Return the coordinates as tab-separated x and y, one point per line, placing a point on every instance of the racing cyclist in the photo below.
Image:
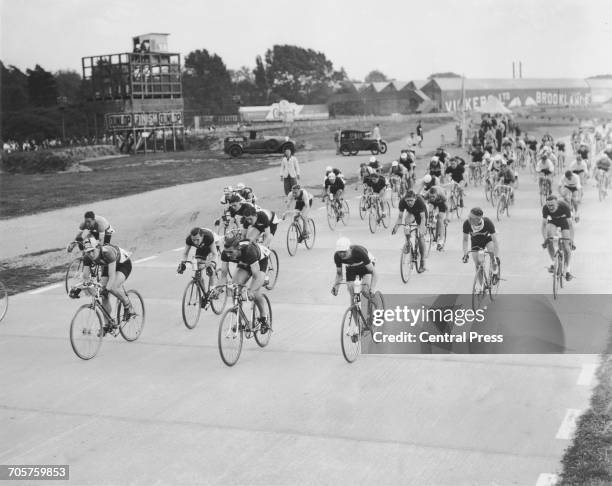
334	189
205	243
435	196
571	191
378	184
415	208
303	202
557	214
545	170
96	226
481	233
456	171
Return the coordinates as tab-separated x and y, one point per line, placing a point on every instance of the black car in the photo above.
352	141
256	143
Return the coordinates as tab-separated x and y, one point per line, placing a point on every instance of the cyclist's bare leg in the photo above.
491	247
440	226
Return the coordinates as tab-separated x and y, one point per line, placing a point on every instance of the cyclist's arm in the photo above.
465	243
495	245
112	275
213	255
544	225
186	252
423	225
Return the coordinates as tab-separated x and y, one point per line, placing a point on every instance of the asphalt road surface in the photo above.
166	410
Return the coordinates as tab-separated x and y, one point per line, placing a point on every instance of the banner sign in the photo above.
126	121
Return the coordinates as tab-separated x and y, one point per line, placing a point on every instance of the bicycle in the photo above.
197	297
410	254
87	327
485	281
235	326
395	183
545	189
377	216
295	235
504	201
74	272
475	173
354	324
488	189
3	300
226	223
558	263
602	185
432	231
336	212
365	202
454	200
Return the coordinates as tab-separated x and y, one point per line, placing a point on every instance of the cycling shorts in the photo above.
357	270
299	205
125	268
263	266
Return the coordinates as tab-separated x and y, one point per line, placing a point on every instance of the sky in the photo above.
405	39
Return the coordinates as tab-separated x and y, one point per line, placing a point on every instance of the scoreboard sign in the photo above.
127	121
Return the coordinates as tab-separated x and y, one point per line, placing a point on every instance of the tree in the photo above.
207	84
444	75
297	74
42	88
262	87
69	86
14	89
375	77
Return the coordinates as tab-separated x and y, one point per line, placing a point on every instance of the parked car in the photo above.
256	143
352	141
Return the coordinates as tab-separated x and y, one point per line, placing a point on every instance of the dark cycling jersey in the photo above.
110	254
202	251
338	185
456	173
355	261
558	217
481	237
251	253
377	186
417	208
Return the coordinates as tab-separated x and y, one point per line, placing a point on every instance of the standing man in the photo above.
419	132
376	134
337	140
289	171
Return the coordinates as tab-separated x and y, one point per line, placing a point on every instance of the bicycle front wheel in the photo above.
74	274
86	332
373	220
332	218
478	289
230	337
312	234
272	270
192	297
3	301
500	207
132	328
555	275
350	334
387	217
363	208
292	238
346	212
406	262
263	338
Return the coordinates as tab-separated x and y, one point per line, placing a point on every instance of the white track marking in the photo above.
44	289
587	375
547	479
178	249
568	426
145	259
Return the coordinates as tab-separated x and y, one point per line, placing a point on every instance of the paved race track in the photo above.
166	410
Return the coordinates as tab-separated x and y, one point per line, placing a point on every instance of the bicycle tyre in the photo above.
74	274
310	241
487	190
272	270
90	330
350	341
190	307
231	336
373	220
387	217
332	219
4	299
132	329
430	237
478	289
500	207
405	262
262	340
218	303
458	208
363	209
555	276
292	238
346	213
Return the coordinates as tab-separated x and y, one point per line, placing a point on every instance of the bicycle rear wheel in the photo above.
74	274
191	307
500	207
332	219
350	334
132	329
263	338
292	238
312	234
3	301
230	337
86	332
272	270
478	289
363	207
555	276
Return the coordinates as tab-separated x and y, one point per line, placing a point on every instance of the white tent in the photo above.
492	105
516	102
529	101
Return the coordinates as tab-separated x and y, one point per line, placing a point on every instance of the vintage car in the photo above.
256	143
352	141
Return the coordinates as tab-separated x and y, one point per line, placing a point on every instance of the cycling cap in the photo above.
296	187
240	186
404	156
435	159
328	168
395	163
427	178
343	244
568	174
235	199
498	158
476	212
331	176
372	159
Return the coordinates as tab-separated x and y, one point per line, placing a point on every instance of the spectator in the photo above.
337	140
419	132
376	134
289	171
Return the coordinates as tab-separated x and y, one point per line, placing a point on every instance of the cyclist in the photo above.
426	183
116	268
359	263
397	174
303	203
506	180
545	168
414	206
560	153
580	168
442	155
570	190
246	193
481	233
96	226
456	171
547	140
260	224
252	260
602	166
378	184
364	172
435	196
337	172
477	154
435	167
334	189
374	164
205	243
557	214
583	153
407	159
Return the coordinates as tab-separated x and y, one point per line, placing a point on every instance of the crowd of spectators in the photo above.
492	131
32	145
